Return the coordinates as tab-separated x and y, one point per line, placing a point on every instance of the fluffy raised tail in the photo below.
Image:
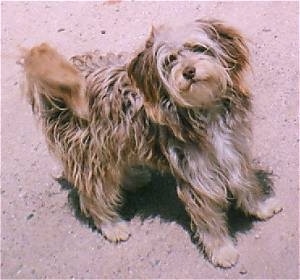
51	75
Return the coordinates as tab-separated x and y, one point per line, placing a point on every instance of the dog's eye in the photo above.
200	49
172	58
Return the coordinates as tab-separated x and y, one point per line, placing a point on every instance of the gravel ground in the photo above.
40	236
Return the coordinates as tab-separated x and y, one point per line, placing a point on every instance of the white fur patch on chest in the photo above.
229	158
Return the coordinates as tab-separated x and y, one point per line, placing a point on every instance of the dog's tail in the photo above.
51	75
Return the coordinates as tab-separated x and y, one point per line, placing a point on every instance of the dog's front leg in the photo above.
208	216
204	195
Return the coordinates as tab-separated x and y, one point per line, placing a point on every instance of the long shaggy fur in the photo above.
180	105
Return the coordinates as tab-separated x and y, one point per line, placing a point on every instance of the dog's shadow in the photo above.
157	199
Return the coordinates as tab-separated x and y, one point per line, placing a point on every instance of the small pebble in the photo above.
61	29
257	236
243	270
30	216
129	270
266	30
103	31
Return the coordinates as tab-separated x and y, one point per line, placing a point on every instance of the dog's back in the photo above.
89	99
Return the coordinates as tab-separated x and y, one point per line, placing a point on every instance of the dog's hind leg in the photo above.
101	206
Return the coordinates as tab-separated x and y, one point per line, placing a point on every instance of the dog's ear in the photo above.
142	71
232	43
150	40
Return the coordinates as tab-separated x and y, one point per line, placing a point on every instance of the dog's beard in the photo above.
208	83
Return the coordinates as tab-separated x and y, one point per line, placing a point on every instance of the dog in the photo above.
179	105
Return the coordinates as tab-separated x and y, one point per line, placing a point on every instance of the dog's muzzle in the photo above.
189	73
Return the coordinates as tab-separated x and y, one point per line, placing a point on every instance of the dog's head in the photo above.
50	75
193	64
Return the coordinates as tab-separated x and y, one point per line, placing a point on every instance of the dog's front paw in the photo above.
225	255
116	231
268	208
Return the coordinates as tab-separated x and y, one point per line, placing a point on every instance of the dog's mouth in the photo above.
190	78
199	91
188	85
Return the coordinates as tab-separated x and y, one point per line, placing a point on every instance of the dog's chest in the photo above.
223	143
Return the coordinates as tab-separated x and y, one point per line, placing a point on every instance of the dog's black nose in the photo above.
189	72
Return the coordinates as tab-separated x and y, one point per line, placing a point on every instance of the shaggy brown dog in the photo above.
181	105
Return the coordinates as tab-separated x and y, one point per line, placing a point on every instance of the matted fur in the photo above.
180	105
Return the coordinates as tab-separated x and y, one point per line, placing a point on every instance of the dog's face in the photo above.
189	65
194	63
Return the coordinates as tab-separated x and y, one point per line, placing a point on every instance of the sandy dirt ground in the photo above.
40	235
